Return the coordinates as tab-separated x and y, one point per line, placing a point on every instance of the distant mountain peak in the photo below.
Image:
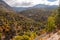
39	6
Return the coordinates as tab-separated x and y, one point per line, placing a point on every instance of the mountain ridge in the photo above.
4	5
39	6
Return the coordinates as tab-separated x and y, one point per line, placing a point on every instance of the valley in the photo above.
29	24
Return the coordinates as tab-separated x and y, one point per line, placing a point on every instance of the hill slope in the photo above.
13	24
39	15
5	6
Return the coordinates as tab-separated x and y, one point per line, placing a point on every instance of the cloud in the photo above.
29	3
22	4
52	3
10	2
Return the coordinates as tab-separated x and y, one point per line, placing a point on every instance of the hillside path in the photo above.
51	36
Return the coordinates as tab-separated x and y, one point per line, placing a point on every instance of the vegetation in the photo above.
39	15
51	23
58	18
28	27
26	36
13	24
18	27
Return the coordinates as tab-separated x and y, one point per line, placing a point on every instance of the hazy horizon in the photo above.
30	3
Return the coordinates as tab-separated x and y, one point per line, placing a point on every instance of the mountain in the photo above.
13	24
45	6
39	6
39	15
23	26
5	6
20	8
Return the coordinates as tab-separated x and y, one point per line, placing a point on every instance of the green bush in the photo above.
24	37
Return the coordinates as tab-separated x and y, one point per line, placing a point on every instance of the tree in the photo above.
51	25
58	18
24	37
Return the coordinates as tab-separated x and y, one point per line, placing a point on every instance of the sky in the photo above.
30	3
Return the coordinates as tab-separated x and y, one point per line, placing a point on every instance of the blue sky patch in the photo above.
51	0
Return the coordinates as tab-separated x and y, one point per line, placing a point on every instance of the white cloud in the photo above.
29	3
52	3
